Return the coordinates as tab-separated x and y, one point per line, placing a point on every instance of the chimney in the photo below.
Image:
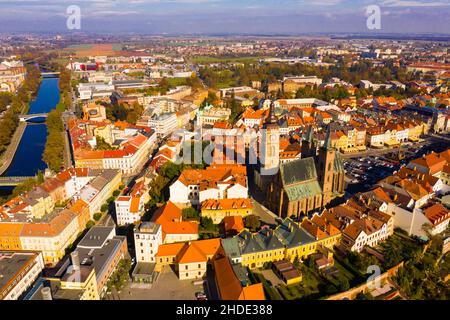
75	260
46	293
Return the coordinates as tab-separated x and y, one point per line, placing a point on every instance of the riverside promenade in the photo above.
8	155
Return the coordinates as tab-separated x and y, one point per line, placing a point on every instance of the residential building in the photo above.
130	208
210	115
148	236
218	181
102	249
18	270
230	284
190	258
131	149
174	229
219	209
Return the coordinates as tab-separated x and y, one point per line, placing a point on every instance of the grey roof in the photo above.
96	237
11	263
231	247
147	227
100	258
287	235
262	241
291	235
35	194
104	178
55	287
298	171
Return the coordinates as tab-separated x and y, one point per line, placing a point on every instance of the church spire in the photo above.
327	145
310	135
271	119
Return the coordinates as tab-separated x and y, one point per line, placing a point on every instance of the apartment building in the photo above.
219	181
19	270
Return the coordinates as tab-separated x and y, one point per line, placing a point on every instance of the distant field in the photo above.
208	59
61	61
85	50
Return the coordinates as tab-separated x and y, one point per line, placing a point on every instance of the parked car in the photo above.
201	296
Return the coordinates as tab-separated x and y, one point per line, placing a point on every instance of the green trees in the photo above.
420	277
328	94
64	88
53	154
252	223
190	214
134	113
90	224
124	112
158	190
102	144
19	104
97	216
194	82
8	125
208	229
119	276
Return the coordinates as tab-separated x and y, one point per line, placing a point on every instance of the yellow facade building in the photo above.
288	241
218	209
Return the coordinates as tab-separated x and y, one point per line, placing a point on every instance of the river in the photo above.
28	158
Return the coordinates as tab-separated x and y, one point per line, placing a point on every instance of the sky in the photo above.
226	16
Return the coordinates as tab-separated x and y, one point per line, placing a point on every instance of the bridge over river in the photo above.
27	117
12	181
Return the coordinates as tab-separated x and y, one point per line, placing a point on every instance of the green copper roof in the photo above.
298	171
231	247
303	190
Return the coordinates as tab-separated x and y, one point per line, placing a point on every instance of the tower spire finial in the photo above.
271	119
327	145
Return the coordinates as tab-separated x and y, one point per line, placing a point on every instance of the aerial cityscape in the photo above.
208	161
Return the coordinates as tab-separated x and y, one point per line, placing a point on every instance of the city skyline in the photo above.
186	17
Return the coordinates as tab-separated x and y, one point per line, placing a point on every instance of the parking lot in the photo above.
166	287
363	172
368	170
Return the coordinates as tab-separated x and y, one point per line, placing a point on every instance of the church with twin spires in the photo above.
302	186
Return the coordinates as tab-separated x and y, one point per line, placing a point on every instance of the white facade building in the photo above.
147	239
19	270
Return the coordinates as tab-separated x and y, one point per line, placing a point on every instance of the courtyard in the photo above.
166	287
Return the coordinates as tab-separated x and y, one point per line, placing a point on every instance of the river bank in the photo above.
9	154
25	156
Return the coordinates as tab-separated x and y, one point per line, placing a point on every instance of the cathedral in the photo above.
302	186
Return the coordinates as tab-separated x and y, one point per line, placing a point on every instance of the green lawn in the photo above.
177	81
344	272
307	289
